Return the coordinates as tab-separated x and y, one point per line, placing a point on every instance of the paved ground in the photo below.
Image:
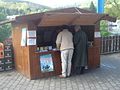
105	78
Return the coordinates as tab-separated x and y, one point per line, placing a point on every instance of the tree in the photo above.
113	8
5	30
104	28
92	7
2	17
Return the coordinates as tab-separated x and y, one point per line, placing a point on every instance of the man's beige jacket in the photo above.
65	40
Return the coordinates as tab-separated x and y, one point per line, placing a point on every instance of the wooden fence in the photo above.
110	44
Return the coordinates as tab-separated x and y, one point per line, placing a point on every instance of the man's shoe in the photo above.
68	76
82	70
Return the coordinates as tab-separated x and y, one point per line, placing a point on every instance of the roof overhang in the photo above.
6	21
69	16
56	19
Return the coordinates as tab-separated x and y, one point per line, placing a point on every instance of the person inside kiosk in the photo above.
64	42
80	57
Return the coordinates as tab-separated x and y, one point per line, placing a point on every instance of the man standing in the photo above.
80	58
64	42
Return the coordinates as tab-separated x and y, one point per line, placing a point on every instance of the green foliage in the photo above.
104	28
16	7
2	17
92	7
5	30
112	7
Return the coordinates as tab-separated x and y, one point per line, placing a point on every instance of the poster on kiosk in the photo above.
46	63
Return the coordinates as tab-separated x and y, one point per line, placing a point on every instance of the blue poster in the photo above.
46	63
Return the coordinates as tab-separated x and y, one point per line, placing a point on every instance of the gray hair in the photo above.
77	27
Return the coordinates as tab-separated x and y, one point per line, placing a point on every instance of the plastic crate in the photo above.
7	47
2	68
8	67
7	50
2	61
8	54
8	61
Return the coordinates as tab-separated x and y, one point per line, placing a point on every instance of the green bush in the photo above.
5	30
104	28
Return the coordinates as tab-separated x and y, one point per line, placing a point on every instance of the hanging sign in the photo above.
97	35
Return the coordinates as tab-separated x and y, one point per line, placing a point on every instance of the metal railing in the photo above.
110	44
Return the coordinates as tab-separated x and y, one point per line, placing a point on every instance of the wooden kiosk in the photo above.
35	32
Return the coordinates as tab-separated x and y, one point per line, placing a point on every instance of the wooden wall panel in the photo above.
97	43
90	57
96	57
93	57
32	56
21	54
34	64
36	68
97	40
94	52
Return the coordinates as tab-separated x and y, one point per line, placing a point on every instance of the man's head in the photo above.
77	28
65	27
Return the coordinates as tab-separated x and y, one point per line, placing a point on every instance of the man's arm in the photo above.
58	40
76	39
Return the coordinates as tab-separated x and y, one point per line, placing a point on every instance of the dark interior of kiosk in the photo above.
46	36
